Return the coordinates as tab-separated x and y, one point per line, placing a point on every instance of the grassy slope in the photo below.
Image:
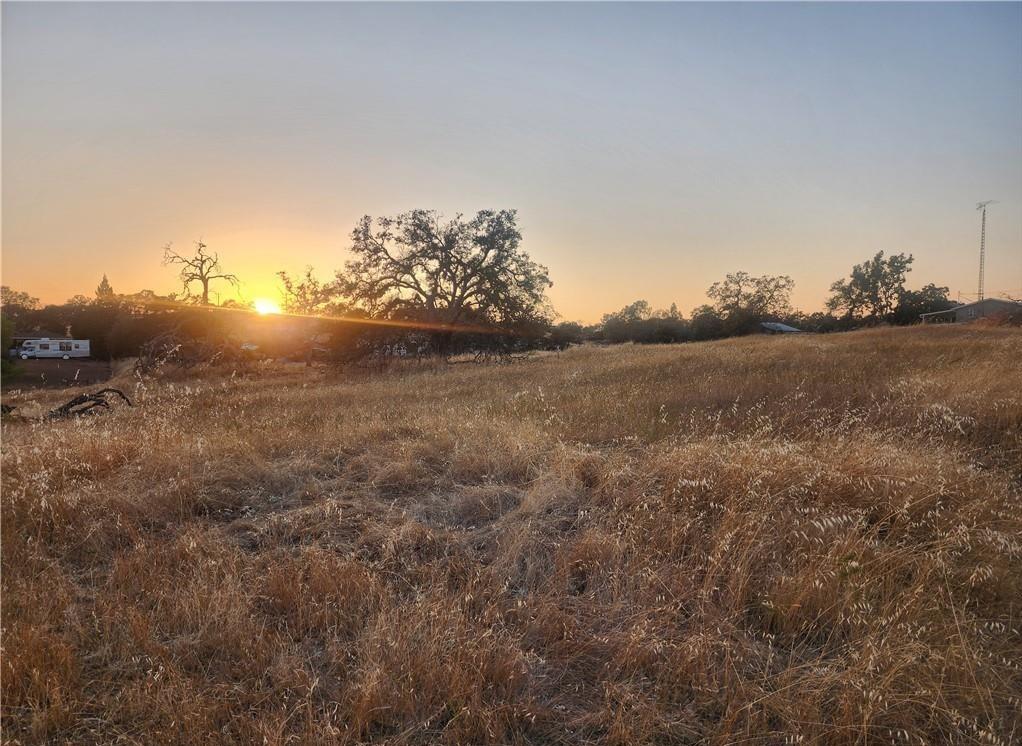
747	541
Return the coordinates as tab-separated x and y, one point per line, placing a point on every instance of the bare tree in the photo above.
307	295
203	268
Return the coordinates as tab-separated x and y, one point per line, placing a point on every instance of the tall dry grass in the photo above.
760	540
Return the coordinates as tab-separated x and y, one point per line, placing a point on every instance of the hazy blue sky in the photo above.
649	148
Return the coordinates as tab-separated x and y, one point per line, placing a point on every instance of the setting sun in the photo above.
264	306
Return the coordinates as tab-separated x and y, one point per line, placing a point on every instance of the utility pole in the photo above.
982	206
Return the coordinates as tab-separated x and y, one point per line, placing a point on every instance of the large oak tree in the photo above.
756	297
420	266
873	289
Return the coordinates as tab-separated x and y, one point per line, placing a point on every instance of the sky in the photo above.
649	149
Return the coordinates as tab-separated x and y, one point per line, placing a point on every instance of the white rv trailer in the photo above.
46	347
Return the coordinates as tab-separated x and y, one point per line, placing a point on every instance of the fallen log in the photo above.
86	404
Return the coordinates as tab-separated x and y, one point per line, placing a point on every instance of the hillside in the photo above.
761	540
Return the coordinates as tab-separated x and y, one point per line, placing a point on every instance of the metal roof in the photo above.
775	326
1004	301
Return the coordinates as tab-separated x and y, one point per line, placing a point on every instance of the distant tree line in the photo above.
118	325
874	293
420	282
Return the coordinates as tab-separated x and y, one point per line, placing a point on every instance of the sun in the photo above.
264	306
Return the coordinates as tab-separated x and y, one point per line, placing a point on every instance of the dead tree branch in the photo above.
86	404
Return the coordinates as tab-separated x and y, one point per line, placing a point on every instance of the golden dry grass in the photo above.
755	541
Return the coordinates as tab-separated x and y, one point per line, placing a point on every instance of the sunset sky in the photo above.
649	149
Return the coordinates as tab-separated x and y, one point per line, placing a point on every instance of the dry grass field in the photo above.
754	541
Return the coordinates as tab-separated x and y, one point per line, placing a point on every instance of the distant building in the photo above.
774	327
972	311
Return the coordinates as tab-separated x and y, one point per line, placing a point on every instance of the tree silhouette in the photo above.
742	301
104	291
9	297
307	295
742	294
203	267
927	299
416	265
873	288
640	310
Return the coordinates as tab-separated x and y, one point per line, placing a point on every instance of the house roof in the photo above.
775	326
1003	301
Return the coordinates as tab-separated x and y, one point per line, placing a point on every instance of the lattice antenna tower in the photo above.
982	207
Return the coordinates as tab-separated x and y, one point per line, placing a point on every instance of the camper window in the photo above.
65	346
44	346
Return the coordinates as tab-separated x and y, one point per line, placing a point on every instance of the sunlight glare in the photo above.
264	306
